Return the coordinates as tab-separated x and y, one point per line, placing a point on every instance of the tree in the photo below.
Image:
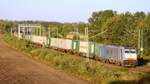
98	19
145	26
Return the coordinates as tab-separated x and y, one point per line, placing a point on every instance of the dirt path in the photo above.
15	68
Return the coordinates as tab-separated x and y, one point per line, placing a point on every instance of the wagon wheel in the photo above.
106	61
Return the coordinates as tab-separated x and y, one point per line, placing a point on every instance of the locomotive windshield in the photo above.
132	51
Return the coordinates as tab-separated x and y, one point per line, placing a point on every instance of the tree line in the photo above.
107	27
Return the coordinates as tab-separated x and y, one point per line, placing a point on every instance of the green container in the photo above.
48	41
97	48
92	49
75	45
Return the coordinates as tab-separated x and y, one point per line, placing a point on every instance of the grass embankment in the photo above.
95	72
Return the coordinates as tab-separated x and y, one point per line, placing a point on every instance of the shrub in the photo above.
35	52
49	57
43	53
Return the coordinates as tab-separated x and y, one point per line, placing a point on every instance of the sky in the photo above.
65	10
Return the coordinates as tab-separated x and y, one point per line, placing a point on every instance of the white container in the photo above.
38	39
61	43
53	42
83	46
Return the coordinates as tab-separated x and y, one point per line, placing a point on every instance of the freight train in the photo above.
108	53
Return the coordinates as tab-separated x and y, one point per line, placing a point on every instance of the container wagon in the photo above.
108	53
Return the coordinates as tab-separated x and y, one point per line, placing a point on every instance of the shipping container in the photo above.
83	47
75	45
54	42
68	44
47	42
92	49
38	39
64	44
61	43
97	50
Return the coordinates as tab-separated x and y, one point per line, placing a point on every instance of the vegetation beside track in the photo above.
95	72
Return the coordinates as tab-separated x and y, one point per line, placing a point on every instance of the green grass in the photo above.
96	72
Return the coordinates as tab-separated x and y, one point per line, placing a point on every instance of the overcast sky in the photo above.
65	10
